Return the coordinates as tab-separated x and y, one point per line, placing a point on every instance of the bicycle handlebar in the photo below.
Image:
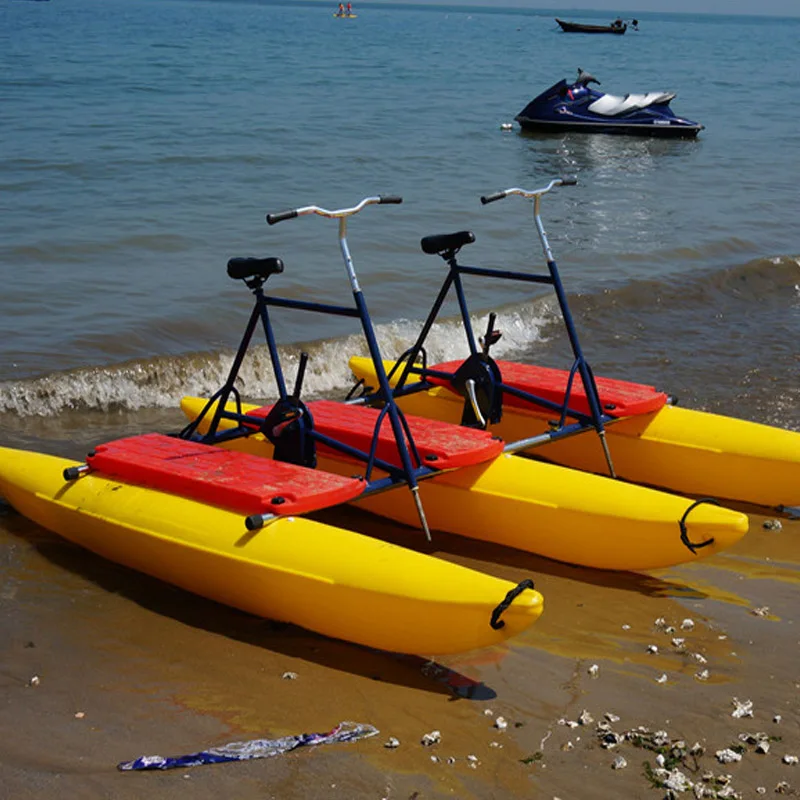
341	212
280	216
566	181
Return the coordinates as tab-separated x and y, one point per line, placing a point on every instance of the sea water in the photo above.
144	141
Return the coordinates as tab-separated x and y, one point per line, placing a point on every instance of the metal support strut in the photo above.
410	472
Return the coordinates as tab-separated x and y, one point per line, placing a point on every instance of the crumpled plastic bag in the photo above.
255	748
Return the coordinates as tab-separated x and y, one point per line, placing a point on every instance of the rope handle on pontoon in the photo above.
495	621
341	212
694	547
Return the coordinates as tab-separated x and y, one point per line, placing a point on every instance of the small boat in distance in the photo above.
617	26
345	13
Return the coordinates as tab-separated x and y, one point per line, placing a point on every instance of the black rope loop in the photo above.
684	533
359	384
495	621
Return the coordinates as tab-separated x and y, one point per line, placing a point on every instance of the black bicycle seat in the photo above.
243	268
445	242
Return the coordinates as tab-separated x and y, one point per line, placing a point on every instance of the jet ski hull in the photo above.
661	130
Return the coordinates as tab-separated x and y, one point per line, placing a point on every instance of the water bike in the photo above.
642	436
494	496
232	526
578	107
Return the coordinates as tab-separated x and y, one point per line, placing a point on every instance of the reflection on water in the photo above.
610	155
616	219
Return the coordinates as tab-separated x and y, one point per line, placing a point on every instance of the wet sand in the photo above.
129	666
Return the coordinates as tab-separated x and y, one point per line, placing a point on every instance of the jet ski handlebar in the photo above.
535	194
341	212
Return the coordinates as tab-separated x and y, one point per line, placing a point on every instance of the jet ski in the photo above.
578	107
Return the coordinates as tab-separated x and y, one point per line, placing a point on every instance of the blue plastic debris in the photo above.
256	748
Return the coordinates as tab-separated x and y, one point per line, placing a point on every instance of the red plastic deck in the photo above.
617	398
441	445
225	478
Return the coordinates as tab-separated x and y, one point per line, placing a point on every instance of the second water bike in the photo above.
644	437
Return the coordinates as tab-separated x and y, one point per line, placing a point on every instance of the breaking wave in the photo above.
162	381
768	286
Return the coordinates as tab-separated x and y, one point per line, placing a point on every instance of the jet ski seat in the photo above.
611	105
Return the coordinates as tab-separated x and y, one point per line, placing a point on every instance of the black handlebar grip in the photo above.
254	522
389	198
569	180
490	198
281	216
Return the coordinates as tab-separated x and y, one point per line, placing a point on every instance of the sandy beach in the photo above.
101	665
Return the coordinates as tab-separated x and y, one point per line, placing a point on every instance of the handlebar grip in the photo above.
490	198
254	522
281	216
390	198
569	180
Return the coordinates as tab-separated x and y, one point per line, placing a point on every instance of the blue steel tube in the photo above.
383	381
586	375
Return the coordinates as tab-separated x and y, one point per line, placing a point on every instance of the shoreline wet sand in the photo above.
102	664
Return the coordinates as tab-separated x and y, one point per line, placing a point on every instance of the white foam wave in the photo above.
161	382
